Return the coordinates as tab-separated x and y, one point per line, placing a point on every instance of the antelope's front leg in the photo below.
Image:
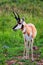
24	53
27	49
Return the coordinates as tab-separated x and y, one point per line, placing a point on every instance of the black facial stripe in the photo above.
15	26
22	27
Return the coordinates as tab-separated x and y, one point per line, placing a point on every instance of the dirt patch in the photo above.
17	61
20	63
40	62
10	62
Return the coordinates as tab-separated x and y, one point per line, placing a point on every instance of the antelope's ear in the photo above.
23	19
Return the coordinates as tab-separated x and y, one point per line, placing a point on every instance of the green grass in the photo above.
14	40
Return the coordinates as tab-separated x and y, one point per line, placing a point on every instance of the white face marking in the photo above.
18	26
24	23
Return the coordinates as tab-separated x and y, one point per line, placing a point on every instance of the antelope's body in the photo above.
29	30
29	33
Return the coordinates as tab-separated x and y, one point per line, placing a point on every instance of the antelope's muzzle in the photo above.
14	27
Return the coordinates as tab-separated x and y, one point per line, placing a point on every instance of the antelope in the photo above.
29	33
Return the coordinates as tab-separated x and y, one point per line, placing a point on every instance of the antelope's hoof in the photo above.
32	59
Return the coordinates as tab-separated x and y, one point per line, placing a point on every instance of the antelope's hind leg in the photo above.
24	53
32	49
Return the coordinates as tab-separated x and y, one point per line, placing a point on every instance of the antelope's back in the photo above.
34	30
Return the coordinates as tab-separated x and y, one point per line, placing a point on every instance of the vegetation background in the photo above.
11	42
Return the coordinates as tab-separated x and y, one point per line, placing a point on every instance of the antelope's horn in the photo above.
16	16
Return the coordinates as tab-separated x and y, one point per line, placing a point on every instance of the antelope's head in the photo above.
20	22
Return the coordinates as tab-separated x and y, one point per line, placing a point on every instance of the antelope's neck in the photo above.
27	30
24	30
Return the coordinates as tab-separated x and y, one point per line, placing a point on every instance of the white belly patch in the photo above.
28	38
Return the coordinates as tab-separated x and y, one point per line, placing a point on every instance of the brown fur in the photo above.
30	29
